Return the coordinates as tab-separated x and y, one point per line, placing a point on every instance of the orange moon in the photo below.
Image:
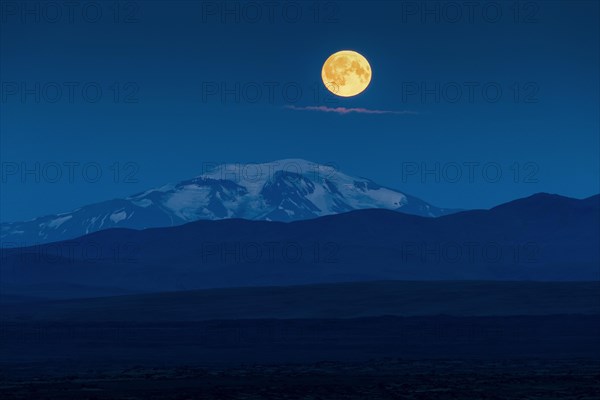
346	73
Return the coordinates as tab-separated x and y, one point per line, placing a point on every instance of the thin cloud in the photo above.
345	110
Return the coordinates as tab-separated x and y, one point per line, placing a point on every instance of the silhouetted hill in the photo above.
542	237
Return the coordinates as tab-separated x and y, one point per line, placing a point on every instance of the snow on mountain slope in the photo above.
284	190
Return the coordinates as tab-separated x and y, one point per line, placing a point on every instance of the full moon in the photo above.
346	73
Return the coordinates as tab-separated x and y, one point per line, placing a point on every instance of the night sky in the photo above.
532	114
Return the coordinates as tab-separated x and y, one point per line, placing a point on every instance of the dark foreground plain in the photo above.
303	340
322	301
375	379
373	340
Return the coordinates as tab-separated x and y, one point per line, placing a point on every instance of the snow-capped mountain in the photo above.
284	190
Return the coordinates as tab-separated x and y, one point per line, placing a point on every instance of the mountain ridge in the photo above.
284	190
506	243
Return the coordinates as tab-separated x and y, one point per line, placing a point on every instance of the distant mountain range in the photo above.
284	190
542	237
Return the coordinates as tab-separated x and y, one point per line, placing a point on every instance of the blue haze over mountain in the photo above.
171	48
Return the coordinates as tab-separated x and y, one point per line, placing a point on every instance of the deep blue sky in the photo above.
172	50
